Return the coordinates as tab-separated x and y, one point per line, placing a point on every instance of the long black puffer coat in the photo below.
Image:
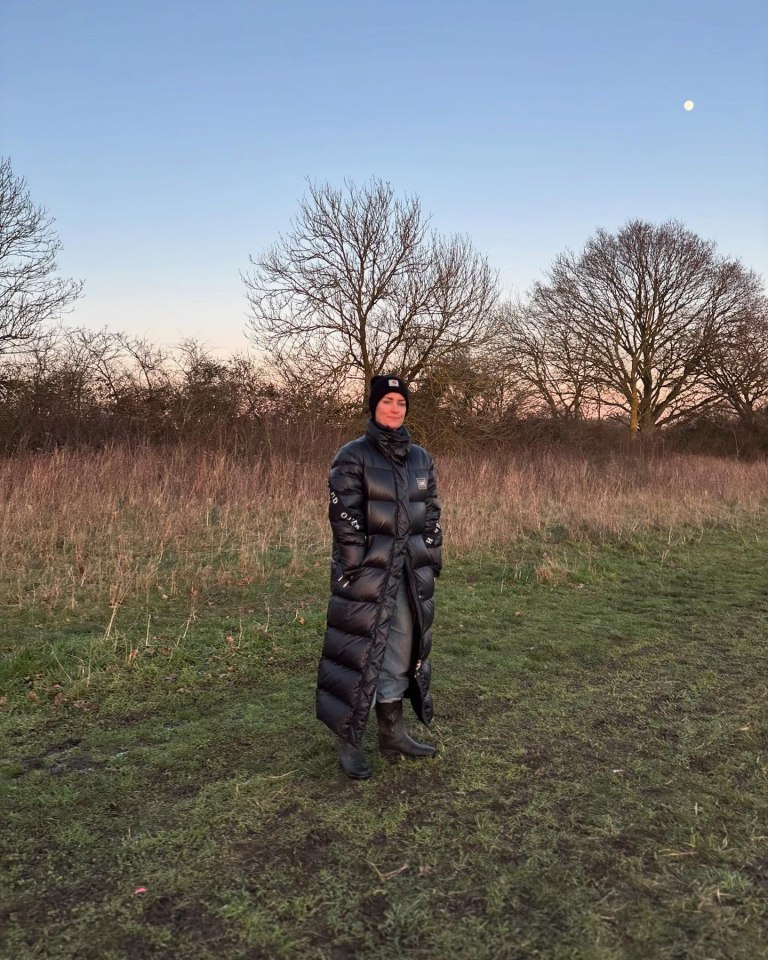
385	518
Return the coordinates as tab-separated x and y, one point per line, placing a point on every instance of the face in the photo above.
390	411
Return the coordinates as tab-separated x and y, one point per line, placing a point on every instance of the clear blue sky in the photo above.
172	139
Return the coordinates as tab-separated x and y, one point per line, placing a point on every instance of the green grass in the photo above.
600	790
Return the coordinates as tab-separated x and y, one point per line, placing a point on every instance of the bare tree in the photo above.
468	397
647	303
736	365
54	395
100	353
30	292
551	358
148	366
359	286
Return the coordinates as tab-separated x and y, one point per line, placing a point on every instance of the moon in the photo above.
688	105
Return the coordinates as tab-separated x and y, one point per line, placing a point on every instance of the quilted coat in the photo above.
385	518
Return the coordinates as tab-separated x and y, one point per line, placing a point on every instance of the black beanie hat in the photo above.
381	386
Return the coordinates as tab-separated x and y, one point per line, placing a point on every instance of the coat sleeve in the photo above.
433	532
346	508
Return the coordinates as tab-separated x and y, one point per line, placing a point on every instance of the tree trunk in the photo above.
633	409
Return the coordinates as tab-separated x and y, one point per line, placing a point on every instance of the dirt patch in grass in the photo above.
282	841
185	917
59	759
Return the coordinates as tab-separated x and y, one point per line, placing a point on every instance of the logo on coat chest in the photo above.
421	483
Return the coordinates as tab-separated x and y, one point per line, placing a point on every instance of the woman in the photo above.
385	518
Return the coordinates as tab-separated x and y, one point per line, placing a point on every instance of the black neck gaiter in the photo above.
394	444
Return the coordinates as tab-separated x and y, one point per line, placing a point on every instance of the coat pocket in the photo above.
342	577
346	577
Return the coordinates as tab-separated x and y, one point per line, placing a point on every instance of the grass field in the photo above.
600	690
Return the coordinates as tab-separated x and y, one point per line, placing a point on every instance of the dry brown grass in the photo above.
496	501
130	522
106	525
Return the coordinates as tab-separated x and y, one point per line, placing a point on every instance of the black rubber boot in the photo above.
393	739
353	762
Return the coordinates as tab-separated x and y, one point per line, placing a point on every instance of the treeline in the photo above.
81	388
649	326
76	387
645	333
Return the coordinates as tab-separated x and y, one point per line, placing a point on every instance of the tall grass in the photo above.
111	524
494	501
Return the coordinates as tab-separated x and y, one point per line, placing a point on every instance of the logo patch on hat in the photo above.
394	383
